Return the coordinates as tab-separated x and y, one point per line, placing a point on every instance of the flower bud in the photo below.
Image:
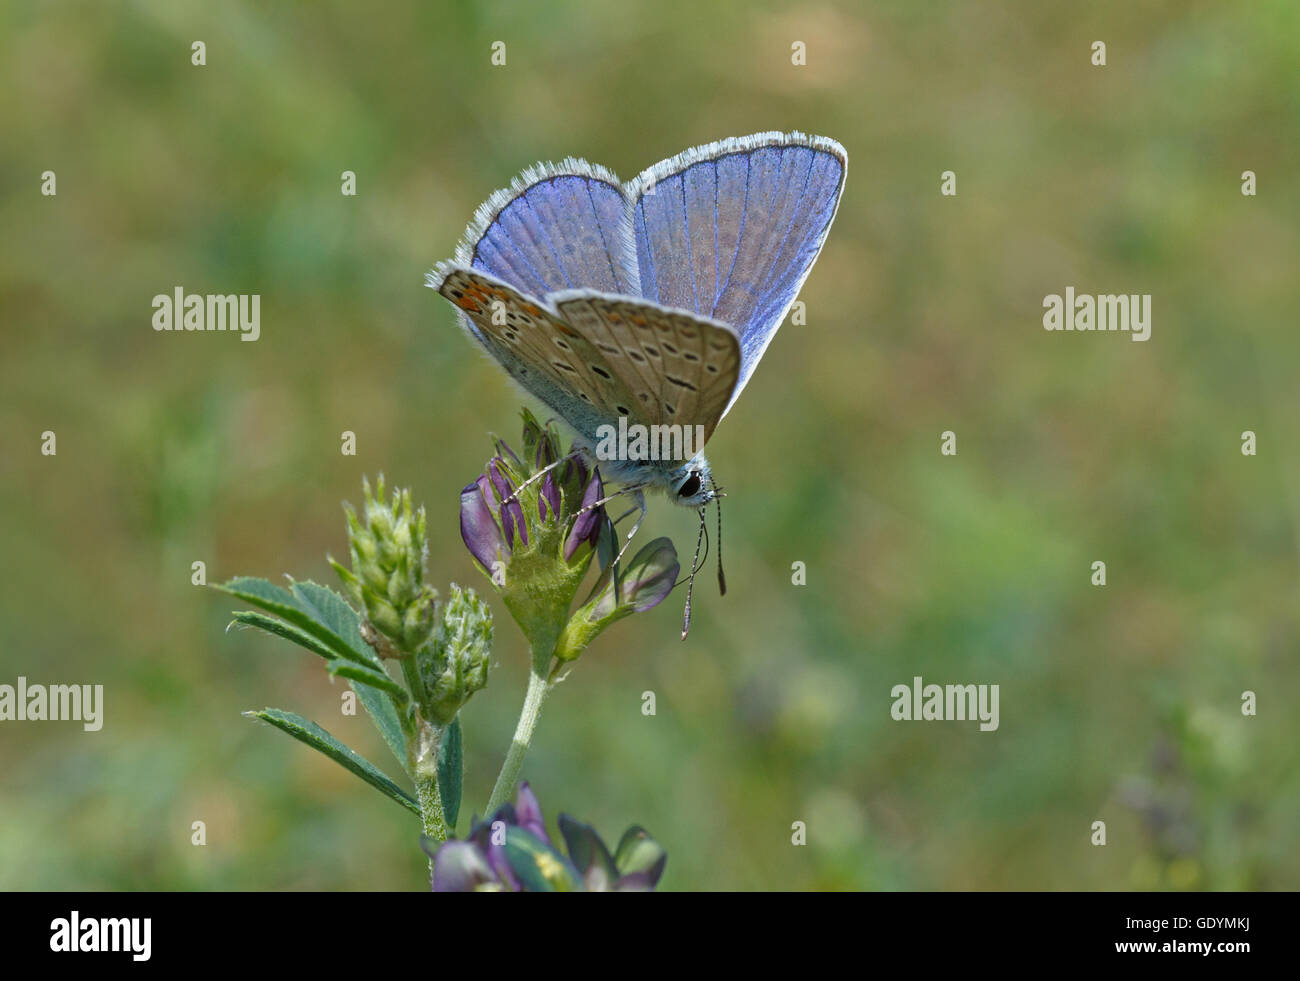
649	578
454	665
387	543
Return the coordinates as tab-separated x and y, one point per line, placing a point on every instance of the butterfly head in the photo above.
691	485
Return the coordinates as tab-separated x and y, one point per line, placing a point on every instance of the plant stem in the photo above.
415	685
538	688
423	750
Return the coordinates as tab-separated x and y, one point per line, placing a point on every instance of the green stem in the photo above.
423	751
538	688
415	685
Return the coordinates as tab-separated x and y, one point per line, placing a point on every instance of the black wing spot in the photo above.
609	349
711	369
669	348
585	397
623	410
561	344
690	356
636	356
651	350
681	383
670	409
564	366
601	371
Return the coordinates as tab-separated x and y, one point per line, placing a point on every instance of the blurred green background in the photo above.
1119	704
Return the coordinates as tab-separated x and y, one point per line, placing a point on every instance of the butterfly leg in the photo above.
636	489
636	526
639	506
542	473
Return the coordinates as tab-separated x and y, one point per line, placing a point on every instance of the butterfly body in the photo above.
646	305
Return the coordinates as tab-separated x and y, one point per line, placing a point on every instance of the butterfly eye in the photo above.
690	487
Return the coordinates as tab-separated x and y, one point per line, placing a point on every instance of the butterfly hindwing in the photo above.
680	368
731	230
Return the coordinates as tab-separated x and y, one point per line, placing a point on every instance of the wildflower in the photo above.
511	852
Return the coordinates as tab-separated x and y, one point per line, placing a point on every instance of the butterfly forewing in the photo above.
543	353
557	227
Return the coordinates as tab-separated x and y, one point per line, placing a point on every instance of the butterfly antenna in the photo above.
690	583
717	499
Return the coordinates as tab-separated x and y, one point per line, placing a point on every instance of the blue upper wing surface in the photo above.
732	229
557	227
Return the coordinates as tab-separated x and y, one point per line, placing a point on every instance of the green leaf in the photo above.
538	867
336	613
314	736
369	676
327	618
288	606
451	771
288	631
382	713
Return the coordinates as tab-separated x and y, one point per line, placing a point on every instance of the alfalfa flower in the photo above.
511	852
533	523
646	582
453	665
533	530
388	544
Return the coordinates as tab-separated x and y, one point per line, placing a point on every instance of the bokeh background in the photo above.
1119	704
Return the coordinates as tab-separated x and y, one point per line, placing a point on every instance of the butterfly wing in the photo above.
680	369
538	349
731	230
556	227
593	357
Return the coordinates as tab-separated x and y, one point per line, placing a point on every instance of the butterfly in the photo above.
645	306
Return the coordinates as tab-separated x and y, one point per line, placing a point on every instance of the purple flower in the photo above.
478	524
535	531
497	510
512	513
586	527
511	852
649	578
549	498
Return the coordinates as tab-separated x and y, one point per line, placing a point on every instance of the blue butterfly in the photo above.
645	306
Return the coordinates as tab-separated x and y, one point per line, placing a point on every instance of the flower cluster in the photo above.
447	644
511	852
533	522
454	664
386	581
